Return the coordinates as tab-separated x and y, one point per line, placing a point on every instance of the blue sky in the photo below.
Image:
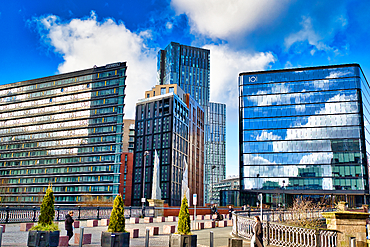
53	37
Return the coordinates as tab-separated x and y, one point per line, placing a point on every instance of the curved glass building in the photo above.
304	132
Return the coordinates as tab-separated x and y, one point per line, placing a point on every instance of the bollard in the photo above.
98	212
352	242
79	212
1	235
147	238
211	239
81	236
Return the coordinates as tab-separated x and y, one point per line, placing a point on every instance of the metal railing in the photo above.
16	215
279	234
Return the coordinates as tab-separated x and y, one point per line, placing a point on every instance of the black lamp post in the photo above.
146	153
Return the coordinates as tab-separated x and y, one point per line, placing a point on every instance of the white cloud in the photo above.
226	65
264	136
227	19
84	43
308	33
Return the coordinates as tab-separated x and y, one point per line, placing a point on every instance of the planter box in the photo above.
209	224
134	233
85	240
171	218
121	239
222	223
43	238
76	224
3	227
63	241
26	226
230	222
134	220
199	226
148	220
104	222
179	240
161	219
92	223
200	217
168	229
153	230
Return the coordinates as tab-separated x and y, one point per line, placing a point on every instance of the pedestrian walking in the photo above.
258	233
68	225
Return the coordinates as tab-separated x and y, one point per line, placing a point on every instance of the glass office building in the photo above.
64	130
215	164
304	132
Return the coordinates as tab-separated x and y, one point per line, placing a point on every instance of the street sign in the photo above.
194	199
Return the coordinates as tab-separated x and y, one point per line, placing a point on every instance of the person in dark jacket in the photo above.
230	212
68	224
258	232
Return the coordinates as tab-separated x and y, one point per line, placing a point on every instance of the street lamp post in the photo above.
146	153
213	167
260	198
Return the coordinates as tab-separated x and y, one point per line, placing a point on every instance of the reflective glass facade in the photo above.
187	67
215	164
304	131
64	130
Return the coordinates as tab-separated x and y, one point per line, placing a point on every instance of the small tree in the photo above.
117	217
183	226
47	213
302	213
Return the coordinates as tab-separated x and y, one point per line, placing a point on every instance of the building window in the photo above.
147	95
163	90
171	90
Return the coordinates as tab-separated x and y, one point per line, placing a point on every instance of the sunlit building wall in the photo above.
64	131
304	132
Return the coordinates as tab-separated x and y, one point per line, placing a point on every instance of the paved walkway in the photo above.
14	237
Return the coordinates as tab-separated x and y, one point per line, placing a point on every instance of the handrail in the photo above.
279	234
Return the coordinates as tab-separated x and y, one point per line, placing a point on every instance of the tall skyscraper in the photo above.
170	126
189	67
304	132
64	130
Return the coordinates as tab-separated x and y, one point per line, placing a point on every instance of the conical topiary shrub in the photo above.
47	213
183	226
117	217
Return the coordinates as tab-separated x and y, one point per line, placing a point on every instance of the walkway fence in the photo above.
24	214
279	234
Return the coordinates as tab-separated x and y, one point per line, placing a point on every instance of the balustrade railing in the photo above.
278	234
15	215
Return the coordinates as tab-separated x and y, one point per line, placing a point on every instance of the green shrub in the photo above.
49	228
183	226
117	217
47	213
